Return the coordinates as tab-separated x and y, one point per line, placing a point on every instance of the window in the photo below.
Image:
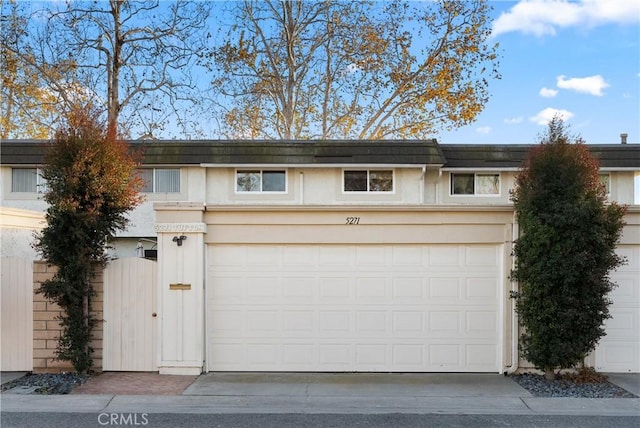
261	181
475	184
368	181
160	180
605	180
27	180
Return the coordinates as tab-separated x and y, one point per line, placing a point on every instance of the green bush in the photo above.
565	251
90	188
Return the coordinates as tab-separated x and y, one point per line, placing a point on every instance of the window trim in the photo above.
41	183
608	183
475	176
261	191
154	180
369	191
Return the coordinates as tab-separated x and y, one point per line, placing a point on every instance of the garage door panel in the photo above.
336	323
228	289
623	322
334	256
444	256
445	289
228	256
226	322
301	257
408	356
480	355
481	256
264	255
355	308
368	256
334	289
299	289
480	289
263	287
619	350
409	255
408	323
372	289
299	323
372	323
371	355
619	356
481	324
408	289
627	292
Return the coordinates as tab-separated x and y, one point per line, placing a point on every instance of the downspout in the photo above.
301	188
438	185
514	315
424	172
206	313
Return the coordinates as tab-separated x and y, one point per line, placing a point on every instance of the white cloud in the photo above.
548	93
545	17
483	130
590	85
513	120
543	117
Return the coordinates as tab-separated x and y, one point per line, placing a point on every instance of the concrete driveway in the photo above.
356	385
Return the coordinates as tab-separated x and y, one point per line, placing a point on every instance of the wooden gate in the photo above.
16	318
130	327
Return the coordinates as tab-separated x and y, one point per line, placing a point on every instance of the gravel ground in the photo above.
49	383
599	387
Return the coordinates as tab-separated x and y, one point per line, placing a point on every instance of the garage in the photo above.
619	350
354	307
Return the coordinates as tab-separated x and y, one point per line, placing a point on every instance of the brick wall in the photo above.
46	327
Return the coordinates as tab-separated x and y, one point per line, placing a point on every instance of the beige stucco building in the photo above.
383	256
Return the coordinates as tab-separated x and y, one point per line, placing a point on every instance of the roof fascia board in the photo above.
481	168
316	165
615	168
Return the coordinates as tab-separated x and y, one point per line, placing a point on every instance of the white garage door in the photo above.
401	308
619	350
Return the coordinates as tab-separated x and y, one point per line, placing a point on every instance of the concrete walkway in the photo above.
218	393
6	377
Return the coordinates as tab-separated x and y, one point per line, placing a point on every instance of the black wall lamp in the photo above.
179	239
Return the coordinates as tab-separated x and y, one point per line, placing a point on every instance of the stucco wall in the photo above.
17	228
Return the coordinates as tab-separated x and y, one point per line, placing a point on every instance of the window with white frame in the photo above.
475	184
249	181
368	180
27	180
160	180
605	180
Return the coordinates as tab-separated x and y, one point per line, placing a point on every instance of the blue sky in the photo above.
578	58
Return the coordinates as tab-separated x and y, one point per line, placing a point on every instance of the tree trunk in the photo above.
550	374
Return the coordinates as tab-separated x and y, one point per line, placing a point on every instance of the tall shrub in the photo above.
90	188
565	251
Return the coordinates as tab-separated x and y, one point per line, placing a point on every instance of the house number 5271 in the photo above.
353	220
